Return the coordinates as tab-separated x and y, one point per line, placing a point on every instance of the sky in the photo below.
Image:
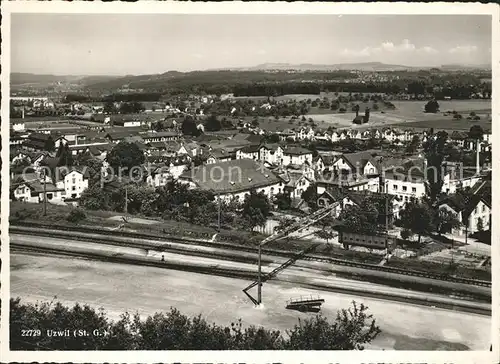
120	44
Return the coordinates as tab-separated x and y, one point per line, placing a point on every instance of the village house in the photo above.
248	152
73	180
158	176
163	136
297	155
474	212
271	153
361	163
234	179
217	156
17	139
17	126
22	155
34	191
37	142
324	162
305	133
287	134
296	183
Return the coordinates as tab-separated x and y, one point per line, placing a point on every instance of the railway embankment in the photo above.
229	258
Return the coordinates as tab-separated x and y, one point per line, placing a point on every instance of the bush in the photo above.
349	329
20	215
76	215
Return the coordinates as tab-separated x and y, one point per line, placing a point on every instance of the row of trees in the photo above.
175	201
351	329
115	97
276	89
132	107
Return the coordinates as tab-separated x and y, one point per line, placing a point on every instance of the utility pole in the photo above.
44	193
126	200
386	222
218	212
259	285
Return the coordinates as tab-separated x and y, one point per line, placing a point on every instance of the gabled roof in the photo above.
37	187
233	176
296	151
160	134
61	172
359	159
219	153
250	149
39	137
461	203
118	135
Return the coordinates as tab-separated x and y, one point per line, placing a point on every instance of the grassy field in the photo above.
446	123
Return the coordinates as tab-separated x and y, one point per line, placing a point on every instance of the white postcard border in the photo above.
457	357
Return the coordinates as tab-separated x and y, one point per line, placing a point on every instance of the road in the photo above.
125	287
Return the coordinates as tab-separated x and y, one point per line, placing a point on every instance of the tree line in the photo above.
350	329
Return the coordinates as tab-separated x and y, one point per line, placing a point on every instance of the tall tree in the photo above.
476	132
125	155
213	124
432	107
413	145
445	221
417	217
434	150
366	117
255	209
189	127
362	219
109	107
64	155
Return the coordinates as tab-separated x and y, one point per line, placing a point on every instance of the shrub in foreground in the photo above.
90	329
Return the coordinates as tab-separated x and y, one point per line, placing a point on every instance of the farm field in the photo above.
410	114
415	108
446	123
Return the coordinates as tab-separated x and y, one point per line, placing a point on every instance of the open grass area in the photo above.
446	123
433	267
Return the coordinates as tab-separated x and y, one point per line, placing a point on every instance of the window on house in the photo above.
404	188
73	188
395	187
484	208
414	189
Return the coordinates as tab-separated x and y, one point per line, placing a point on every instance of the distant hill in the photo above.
463	67
368	66
223	76
18	79
30	78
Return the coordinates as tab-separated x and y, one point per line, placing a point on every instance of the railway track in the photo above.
466	305
118	258
119	238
